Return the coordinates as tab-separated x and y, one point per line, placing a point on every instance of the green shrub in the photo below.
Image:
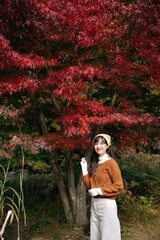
141	176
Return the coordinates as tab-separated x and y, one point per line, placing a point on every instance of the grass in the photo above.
138	223
142	224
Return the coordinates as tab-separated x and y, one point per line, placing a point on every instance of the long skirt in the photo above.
104	222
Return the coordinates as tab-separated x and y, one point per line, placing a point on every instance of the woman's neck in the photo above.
103	158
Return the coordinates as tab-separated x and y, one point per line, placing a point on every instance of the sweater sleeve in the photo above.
115	187
86	181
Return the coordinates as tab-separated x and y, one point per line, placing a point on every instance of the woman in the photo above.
104	183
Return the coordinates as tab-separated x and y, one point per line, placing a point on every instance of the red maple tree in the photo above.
74	68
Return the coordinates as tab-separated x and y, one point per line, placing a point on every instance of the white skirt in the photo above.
104	222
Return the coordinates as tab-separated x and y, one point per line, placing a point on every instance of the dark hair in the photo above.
94	156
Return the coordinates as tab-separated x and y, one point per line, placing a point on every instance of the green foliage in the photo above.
146	203
140	199
38	166
142	176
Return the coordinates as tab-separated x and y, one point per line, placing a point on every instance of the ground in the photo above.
39	227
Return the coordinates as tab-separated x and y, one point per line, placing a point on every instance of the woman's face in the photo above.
100	146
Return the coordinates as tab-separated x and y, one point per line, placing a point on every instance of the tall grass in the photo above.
11	200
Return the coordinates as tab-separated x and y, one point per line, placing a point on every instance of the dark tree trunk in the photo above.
71	181
81	211
63	193
73	198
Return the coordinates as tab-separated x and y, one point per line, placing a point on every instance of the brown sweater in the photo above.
108	178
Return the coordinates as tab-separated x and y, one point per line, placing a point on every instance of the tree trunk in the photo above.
77	194
81	210
58	176
71	181
81	207
62	192
73	199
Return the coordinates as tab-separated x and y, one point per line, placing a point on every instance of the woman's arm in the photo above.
116	186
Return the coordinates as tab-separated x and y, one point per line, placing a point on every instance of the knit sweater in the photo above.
107	177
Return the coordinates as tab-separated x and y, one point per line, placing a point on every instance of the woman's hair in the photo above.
94	157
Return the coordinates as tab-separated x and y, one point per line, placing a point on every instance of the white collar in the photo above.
103	158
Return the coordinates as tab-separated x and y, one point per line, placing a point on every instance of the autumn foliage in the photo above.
75	68
70	69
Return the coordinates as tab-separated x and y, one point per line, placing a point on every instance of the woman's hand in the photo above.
95	192
84	166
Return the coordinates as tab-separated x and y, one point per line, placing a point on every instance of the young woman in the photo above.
104	183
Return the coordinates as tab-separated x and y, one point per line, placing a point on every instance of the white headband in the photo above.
106	137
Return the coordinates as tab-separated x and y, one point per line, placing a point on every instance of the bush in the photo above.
141	174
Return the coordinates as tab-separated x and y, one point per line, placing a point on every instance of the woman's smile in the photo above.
100	147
